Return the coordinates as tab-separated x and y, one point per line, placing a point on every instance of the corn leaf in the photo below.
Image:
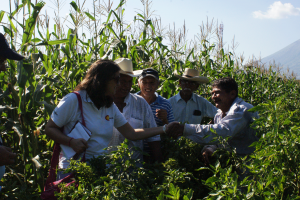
90	16
74	5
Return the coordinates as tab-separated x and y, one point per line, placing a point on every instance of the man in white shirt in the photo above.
232	120
189	107
135	109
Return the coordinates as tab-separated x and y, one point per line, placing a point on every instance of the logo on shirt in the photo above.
108	118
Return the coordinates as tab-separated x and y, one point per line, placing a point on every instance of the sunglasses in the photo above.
189	82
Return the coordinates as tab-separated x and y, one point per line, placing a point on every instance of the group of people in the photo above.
112	113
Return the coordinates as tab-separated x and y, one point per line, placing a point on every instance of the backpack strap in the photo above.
56	150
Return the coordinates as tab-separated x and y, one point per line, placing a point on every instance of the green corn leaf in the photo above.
73	18
118	18
1	15
74	5
30	25
36	40
53	42
18	8
90	16
9	32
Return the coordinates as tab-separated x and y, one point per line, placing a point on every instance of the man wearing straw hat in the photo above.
188	106
7	157
233	121
135	109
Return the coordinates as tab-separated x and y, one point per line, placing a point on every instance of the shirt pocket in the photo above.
135	123
196	119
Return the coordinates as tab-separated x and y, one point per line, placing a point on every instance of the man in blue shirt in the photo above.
6	155
161	108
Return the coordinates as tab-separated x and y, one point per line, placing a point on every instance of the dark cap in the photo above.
7	52
149	72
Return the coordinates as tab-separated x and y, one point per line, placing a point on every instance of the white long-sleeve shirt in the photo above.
236	125
138	113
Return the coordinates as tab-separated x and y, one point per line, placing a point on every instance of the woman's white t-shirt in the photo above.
99	122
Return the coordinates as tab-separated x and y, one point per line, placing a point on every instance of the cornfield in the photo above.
57	61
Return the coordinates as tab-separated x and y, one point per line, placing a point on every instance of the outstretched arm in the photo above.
139	134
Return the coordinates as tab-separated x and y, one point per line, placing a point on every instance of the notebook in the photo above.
79	131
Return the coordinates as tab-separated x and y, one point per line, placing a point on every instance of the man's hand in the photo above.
78	145
7	156
206	154
174	129
162	115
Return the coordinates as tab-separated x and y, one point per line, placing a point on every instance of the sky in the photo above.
260	28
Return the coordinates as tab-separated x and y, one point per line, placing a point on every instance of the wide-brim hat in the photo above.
126	67
6	52
192	75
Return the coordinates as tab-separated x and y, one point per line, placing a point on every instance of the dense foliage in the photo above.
57	62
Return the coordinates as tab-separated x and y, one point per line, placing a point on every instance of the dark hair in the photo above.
228	84
95	82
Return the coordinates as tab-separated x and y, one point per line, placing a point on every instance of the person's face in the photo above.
112	84
2	64
223	100
188	87
148	85
124	87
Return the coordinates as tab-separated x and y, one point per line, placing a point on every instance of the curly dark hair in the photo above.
228	84
95	82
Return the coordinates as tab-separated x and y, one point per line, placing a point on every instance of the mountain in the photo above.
287	57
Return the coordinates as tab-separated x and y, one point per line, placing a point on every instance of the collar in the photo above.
158	99
128	98
85	97
178	97
237	100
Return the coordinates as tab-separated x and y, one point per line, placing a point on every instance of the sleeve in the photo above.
149	122
170	113
119	119
230	125
210	109
65	111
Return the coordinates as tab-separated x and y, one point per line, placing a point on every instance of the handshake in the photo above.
174	129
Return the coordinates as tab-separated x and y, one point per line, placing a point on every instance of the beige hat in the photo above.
126	67
192	75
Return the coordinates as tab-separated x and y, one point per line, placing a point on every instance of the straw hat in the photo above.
126	67
192	75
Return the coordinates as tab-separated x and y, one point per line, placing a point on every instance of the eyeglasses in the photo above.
116	79
189	82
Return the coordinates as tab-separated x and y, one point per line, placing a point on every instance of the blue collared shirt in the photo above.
192	111
161	103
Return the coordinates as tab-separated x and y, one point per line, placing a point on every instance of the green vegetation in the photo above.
58	60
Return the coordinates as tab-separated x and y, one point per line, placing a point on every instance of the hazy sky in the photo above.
260	27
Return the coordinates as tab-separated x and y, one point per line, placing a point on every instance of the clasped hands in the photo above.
174	130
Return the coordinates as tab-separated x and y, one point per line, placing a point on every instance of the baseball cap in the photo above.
149	72
6	52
